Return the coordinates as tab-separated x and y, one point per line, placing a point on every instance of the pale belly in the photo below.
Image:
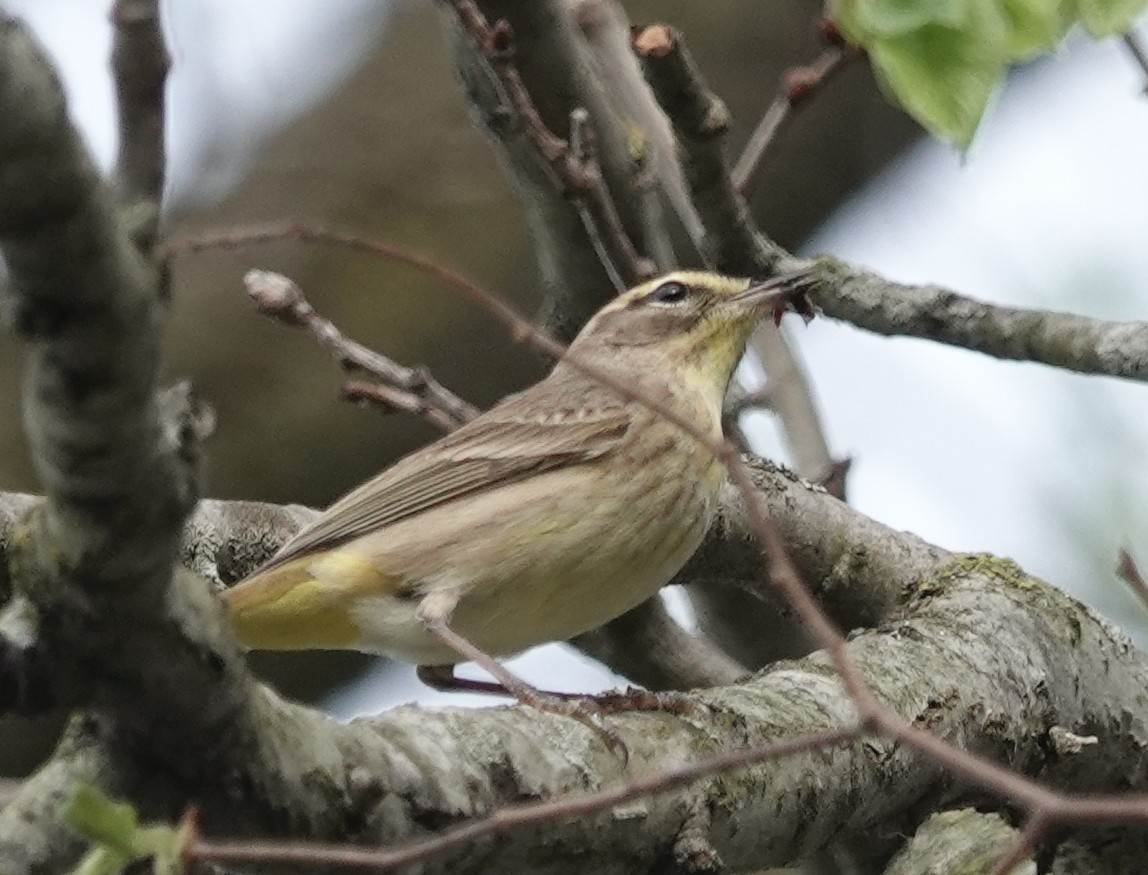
559	572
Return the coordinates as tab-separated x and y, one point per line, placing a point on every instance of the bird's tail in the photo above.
286	608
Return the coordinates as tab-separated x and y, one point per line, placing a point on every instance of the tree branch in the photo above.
86	301
1018	657
798	84
412	389
648	646
1074	343
140	64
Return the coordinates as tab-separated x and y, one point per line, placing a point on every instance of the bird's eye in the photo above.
670	293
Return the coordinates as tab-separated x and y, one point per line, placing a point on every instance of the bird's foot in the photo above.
637	699
584	709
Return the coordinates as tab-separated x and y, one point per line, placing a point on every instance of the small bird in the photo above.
557	510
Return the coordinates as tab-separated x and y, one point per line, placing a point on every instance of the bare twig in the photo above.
797	85
140	64
647	132
611	240
1129	572
388	399
1023	843
655	234
413	390
1135	46
581	143
701	121
739	401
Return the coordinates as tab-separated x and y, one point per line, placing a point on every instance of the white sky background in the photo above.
260	71
1048	210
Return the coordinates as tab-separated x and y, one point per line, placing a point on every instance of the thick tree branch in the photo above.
988	658
853	565
606	29
119	468
92	425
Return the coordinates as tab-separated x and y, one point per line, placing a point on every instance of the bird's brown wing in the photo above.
516	439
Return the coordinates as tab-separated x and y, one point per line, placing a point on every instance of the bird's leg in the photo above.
442	677
435	610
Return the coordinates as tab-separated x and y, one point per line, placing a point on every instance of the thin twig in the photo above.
740	401
797	85
389	399
737	402
646	644
1135	46
612	242
414	390
655	234
1129	572
581	143
1023	843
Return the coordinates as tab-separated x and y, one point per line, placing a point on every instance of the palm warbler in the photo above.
554	512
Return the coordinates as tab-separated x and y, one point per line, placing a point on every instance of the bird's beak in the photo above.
784	291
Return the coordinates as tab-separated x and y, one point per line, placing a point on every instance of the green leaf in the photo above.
101	861
118	837
941	76
1106	17
1036	26
869	20
112	824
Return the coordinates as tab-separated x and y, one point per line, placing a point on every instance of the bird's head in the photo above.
689	322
